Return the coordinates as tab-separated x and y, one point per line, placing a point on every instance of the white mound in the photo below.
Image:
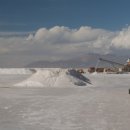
55	78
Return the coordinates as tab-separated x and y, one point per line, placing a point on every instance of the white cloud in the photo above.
82	40
122	40
63	42
66	35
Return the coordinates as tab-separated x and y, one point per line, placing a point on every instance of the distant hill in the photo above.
83	61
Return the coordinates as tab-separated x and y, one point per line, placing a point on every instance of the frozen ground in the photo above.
103	105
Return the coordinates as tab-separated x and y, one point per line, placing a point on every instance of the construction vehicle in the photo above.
113	66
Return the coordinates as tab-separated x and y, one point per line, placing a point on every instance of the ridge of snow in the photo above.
16	71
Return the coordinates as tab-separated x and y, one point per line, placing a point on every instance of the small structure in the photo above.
128	61
91	69
100	70
126	67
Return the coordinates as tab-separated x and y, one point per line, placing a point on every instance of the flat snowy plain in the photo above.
102	105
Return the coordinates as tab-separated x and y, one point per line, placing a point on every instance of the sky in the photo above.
29	15
32	30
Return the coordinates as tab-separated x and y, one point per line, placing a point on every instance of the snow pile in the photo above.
55	78
15	71
94	73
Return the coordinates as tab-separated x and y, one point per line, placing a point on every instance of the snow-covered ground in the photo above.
102	104
17	71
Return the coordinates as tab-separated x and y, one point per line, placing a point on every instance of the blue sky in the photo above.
51	30
29	15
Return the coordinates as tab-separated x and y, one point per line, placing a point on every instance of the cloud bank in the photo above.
61	42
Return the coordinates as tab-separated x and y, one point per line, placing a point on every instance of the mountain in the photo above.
88	60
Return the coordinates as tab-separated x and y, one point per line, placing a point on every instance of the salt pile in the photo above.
55	78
